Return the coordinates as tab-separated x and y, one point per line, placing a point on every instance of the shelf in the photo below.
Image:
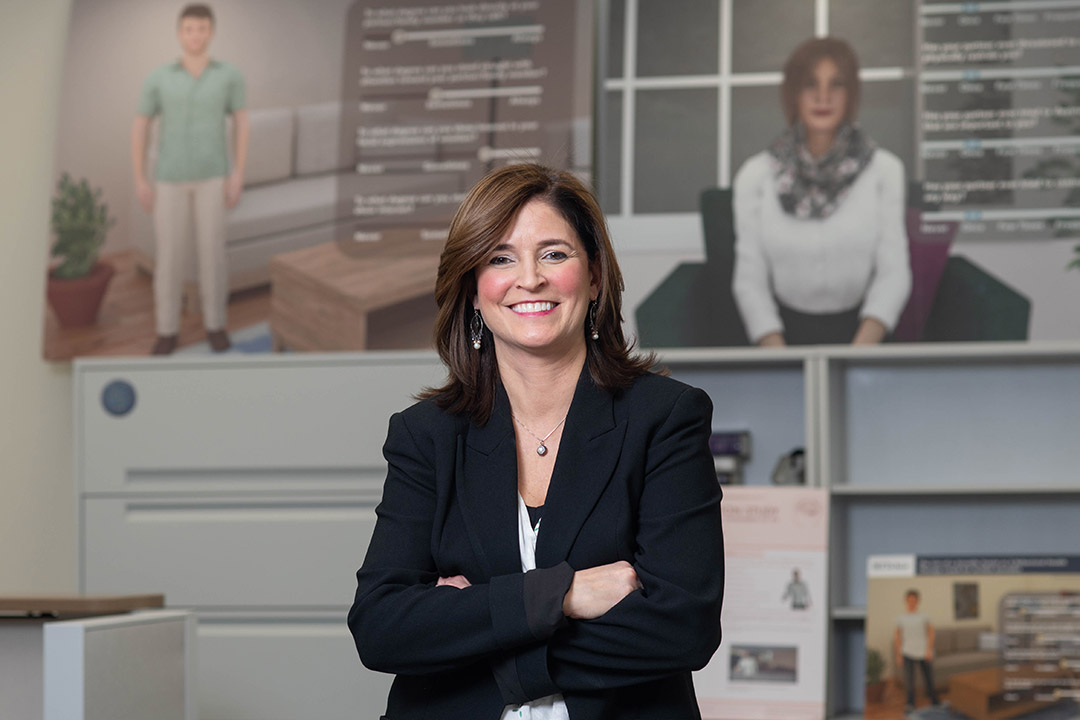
907	354
913	354
255	361
923	353
939	490
849	612
754	357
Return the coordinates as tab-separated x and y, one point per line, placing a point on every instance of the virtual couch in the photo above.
290	198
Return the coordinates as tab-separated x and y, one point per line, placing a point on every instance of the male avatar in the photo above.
797	592
193	96
914	643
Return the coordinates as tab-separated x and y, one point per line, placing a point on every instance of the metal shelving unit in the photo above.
923	448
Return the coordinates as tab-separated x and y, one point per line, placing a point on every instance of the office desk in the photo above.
91	658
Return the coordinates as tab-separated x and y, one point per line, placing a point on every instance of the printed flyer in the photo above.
986	637
771	663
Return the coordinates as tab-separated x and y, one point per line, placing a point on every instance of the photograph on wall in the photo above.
771	664
252	177
913	178
764	664
1017	655
965	600
925	192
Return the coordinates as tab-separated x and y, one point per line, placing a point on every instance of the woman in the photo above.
821	249
548	544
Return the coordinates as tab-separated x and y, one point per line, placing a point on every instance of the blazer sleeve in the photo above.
400	620
672	625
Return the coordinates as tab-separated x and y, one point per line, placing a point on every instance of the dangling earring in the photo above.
476	329
593	332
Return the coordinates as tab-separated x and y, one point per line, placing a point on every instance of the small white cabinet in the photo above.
245	489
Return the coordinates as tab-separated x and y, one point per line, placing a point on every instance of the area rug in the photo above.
1064	710
245	341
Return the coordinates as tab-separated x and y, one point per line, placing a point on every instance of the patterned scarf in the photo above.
813	187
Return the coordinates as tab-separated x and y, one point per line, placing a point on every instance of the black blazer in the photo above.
633	480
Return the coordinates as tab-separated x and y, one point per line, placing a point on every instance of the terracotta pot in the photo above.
76	301
875	692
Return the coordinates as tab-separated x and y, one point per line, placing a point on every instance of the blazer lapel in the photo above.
486	481
588	452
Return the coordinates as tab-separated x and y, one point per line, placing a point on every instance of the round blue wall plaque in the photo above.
118	397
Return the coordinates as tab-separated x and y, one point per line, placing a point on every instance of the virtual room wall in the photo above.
37	512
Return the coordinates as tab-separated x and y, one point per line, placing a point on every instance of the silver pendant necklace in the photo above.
541	449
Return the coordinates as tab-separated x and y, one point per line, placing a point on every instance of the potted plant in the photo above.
875	667
80	221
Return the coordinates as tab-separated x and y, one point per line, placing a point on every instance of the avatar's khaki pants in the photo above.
175	206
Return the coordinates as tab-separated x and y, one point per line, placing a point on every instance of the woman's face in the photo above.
823	99
534	288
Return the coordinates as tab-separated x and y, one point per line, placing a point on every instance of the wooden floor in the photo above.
126	322
892	705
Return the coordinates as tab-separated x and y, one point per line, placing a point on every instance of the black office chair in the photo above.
971	304
694	306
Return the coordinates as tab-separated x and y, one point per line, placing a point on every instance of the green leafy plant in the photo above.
80	221
875	666
1075	264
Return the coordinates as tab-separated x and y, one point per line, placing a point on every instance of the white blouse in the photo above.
856	257
551	707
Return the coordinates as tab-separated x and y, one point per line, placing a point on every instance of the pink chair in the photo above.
929	246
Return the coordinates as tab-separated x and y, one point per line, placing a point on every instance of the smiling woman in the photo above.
547	419
535	289
511	206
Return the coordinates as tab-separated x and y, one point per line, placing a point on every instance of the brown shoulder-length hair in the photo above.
479	225
800	67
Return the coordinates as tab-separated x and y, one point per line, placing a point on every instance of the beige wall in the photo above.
290	52
37	499
49	93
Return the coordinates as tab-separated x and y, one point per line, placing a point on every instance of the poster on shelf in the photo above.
973	637
771	664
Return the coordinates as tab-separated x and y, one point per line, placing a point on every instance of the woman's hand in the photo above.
871	332
457	581
145	192
234	185
598	589
773	339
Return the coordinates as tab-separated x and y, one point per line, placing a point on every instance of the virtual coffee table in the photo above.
324	299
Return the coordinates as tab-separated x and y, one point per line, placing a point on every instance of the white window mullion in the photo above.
821	18
626	201
723	159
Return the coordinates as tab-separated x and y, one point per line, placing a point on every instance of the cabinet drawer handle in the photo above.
151	512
